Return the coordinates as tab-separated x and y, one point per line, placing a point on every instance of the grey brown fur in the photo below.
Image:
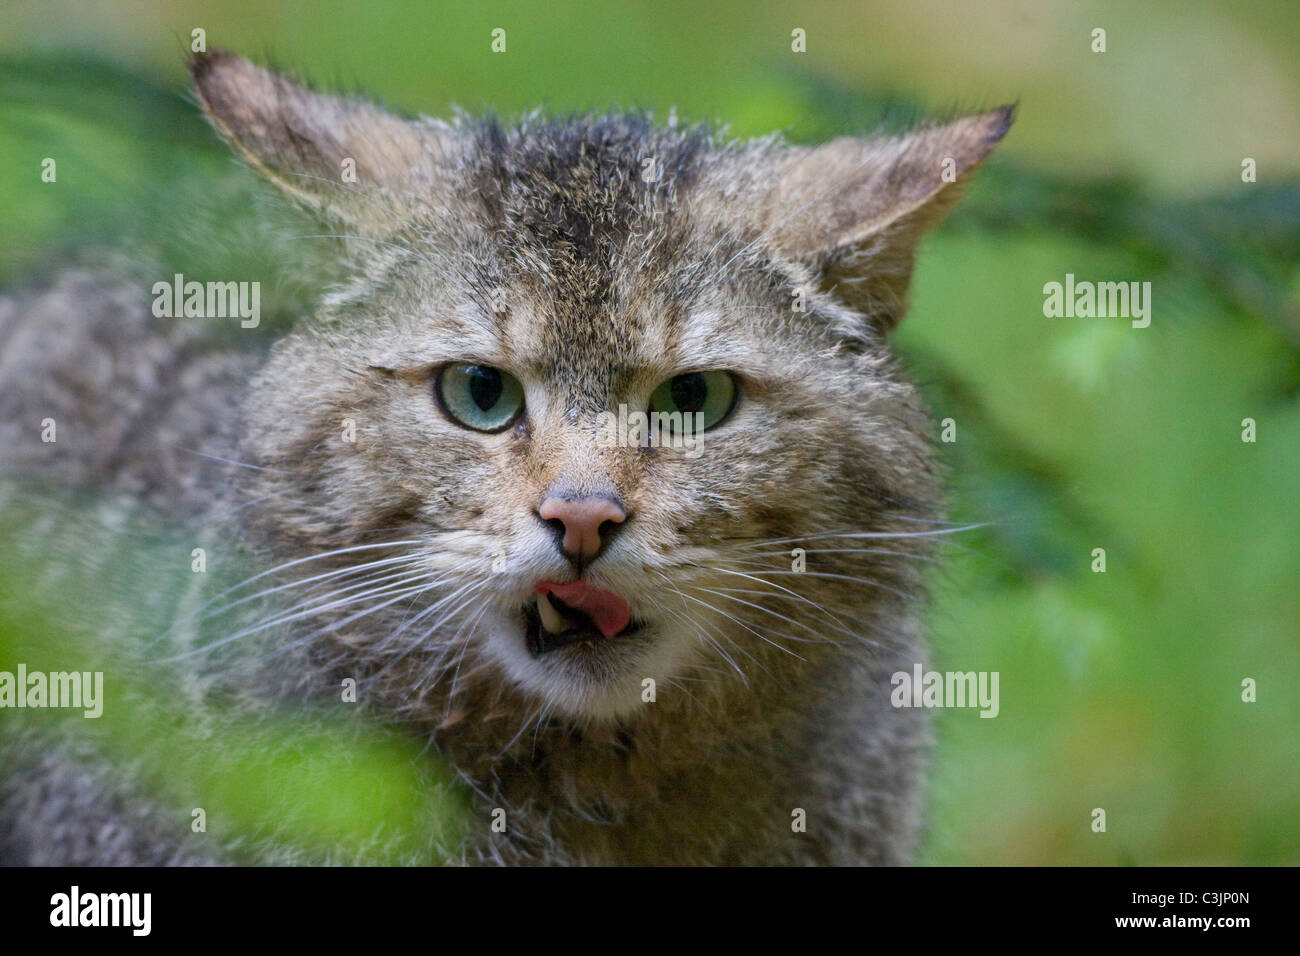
542	248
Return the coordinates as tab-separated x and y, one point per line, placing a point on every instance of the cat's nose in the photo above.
582	524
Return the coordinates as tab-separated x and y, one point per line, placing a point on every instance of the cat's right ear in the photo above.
854	209
346	158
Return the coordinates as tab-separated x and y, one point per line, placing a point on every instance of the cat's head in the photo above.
516	299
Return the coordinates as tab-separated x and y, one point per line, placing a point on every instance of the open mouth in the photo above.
574	612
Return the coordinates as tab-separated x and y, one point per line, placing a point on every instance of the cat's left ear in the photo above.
854	209
346	158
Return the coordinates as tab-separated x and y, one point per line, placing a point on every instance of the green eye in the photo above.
708	394
480	397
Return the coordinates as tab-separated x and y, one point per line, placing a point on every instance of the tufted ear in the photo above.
347	158
854	209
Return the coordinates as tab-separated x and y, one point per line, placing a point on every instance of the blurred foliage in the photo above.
1119	690
318	783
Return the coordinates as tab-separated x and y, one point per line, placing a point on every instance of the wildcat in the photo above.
641	656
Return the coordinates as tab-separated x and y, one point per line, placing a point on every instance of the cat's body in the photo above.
738	710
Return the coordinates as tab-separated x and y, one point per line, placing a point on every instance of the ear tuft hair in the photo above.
338	155
854	209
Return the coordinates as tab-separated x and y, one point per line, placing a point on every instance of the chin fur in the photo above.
591	682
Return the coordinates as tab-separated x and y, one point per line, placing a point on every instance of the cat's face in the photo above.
797	446
476	394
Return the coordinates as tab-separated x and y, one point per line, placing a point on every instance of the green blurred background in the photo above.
1119	690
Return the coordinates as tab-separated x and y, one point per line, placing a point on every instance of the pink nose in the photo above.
583	520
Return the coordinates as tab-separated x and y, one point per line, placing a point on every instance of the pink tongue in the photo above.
607	611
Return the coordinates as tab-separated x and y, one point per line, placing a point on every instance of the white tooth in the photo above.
552	619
